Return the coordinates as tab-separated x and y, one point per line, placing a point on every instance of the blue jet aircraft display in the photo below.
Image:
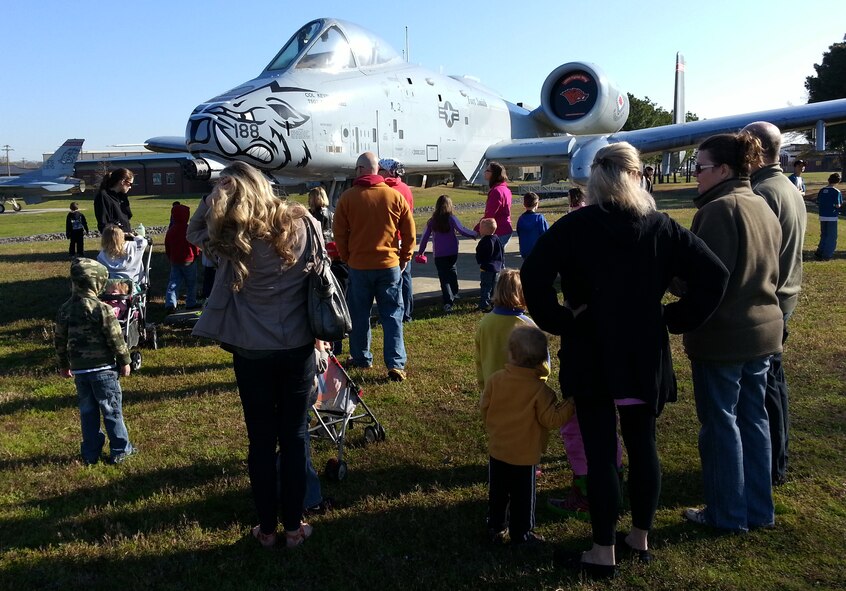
54	178
336	90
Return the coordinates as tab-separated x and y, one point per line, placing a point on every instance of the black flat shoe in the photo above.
625	552
573	561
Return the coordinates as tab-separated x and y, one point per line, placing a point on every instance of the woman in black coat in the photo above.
111	204
616	258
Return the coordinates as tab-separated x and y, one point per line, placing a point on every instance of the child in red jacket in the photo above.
181	254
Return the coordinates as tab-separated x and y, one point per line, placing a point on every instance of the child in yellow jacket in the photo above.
518	410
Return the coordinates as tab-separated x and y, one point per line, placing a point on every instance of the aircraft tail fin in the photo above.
60	164
672	160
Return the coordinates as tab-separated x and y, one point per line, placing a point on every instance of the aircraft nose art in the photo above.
198	130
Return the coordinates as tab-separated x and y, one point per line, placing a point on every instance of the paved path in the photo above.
427	288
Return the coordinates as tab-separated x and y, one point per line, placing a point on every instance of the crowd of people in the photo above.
597	278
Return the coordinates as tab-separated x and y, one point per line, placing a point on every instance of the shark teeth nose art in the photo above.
260	153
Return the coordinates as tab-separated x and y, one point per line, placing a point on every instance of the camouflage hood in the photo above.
88	278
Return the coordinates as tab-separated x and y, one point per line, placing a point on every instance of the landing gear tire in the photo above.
2	208
16	206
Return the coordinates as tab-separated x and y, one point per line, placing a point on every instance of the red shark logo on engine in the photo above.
575	95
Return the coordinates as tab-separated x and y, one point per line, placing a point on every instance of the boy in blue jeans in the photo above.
491	259
89	347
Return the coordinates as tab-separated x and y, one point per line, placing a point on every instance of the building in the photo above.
155	174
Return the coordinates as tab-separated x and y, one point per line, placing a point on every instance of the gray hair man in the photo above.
770	182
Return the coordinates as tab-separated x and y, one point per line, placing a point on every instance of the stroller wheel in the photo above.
135	360
152	338
380	430
336	470
371	435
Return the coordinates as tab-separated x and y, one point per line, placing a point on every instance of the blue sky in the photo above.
120	72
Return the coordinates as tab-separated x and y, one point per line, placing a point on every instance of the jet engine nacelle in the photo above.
578	98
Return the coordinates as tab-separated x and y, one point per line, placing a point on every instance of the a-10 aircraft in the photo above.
336	90
54	178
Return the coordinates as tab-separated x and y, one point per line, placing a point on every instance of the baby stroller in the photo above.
131	310
339	407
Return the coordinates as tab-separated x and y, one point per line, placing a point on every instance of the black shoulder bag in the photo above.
328	315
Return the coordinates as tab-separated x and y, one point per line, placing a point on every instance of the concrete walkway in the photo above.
427	288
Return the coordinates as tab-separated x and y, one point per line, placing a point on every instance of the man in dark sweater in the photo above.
769	181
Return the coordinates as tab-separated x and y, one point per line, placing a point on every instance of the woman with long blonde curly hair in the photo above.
257	311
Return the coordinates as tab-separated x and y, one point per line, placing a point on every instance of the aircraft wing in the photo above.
166	143
579	150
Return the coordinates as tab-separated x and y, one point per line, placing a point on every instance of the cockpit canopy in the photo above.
332	45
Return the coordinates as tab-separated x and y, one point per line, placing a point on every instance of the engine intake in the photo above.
578	98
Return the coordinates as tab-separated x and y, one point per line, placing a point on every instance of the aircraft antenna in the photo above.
407	58
7	148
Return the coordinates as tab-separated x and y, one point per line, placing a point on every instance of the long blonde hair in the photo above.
615	179
113	242
245	209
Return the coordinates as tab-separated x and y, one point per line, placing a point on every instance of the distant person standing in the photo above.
181	255
367	219
442	227
530	224
318	207
784	199
498	205
76	227
829	202
796	177
647	179
391	171
576	198
491	258
111	205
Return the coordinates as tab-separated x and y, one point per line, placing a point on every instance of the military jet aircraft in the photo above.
54	178
336	90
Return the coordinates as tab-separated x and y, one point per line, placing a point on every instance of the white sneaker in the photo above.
694	515
447	307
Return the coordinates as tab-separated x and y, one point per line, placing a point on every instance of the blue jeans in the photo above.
384	285
407	294
778	411
99	393
448	277
179	275
828	239
487	280
274	392
734	443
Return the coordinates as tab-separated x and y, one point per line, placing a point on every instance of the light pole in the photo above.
8	149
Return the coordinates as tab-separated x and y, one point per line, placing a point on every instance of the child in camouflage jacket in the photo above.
89	347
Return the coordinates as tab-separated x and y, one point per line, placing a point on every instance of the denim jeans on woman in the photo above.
274	392
734	443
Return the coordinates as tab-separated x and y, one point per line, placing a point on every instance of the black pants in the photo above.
777	406
598	423
448	277
274	393
208	280
76	239
511	498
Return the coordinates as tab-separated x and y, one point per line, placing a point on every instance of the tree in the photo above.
644	113
830	84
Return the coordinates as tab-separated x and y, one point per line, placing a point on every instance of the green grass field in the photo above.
177	515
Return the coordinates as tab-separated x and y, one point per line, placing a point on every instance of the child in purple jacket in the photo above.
442	227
